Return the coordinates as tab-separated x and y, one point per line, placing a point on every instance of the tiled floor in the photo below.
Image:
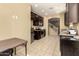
47	46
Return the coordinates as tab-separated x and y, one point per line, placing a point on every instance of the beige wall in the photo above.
78	27
62	25
15	21
46	25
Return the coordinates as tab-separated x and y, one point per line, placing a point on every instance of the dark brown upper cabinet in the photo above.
71	14
37	20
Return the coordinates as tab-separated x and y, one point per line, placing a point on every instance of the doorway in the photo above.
54	26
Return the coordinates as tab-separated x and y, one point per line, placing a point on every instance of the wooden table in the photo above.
12	43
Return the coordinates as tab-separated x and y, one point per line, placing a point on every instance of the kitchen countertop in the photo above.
72	37
67	35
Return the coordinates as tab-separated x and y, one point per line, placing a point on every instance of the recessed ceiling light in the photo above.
36	5
51	8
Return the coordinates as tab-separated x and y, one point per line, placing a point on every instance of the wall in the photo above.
62	25
15	21
46	25
78	27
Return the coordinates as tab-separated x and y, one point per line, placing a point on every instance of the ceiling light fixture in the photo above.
36	5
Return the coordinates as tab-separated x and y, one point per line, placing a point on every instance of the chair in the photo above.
8	52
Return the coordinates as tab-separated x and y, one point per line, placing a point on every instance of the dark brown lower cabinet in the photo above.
69	48
76	48
38	34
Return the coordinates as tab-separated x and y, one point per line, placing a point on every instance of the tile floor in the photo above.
47	46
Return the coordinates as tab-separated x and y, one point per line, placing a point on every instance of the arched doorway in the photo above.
54	26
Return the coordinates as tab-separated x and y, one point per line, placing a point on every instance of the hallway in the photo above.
48	46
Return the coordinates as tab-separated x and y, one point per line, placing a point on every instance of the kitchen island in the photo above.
69	45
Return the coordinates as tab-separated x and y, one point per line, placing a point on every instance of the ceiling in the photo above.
48	9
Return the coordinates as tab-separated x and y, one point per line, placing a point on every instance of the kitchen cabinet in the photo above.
76	48
38	34
69	47
37	20
66	20
71	14
66	46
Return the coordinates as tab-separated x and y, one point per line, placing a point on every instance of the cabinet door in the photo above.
66	48
37	20
76	52
66	20
76	48
73	12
